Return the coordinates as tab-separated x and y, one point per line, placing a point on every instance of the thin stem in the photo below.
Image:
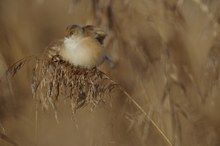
142	110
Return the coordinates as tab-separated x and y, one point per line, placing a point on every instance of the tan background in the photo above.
166	55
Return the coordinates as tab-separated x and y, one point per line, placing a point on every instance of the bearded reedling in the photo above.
80	47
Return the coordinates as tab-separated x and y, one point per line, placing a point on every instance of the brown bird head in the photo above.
74	29
95	32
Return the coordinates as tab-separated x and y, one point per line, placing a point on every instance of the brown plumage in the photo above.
95	32
80	46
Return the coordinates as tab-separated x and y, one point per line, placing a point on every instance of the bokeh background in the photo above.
166	55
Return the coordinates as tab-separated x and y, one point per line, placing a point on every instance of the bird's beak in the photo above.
100	35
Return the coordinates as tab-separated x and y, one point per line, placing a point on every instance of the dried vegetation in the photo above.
53	81
166	56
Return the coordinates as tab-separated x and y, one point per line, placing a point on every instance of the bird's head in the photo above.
82	46
95	32
73	31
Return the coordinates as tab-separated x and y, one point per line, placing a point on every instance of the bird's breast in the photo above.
86	52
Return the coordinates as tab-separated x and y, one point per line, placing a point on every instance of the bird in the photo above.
81	46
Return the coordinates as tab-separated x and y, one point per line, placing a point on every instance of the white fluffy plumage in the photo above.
82	51
80	46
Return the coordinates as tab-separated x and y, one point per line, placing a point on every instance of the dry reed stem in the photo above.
13	69
142	110
54	80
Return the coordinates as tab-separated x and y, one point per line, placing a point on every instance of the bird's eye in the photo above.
71	33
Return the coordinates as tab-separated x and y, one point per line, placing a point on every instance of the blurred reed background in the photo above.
166	55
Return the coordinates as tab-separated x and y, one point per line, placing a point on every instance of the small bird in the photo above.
81	46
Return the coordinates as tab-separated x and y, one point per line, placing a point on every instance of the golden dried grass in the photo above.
168	52
57	80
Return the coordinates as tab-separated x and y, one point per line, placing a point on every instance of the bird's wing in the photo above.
53	48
